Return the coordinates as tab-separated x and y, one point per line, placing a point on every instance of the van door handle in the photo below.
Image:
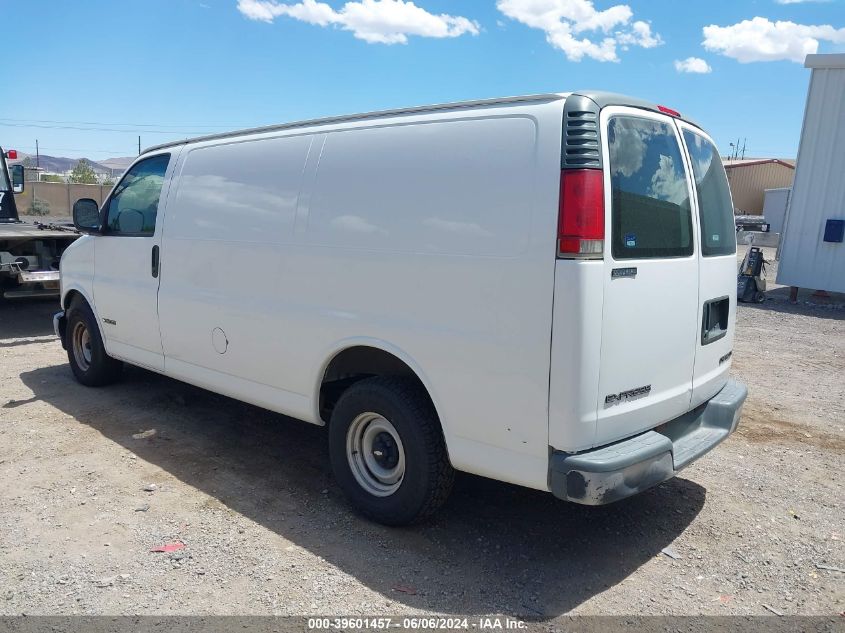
155	261
714	322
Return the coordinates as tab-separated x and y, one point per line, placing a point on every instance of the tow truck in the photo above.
29	252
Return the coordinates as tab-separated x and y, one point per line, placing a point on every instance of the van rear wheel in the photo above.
85	350
387	451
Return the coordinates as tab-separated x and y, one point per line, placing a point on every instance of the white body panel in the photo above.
229	240
77	272
712	361
126	292
576	354
649	324
297	244
430	235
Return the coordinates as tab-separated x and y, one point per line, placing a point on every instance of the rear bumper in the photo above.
610	473
47	277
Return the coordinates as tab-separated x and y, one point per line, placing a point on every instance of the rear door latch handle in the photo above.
714	322
155	261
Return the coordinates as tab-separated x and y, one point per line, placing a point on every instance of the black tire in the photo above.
759	297
427	474
93	368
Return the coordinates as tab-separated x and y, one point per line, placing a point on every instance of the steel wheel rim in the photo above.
376	454
81	343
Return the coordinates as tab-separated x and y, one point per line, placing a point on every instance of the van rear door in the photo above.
717	265
651	275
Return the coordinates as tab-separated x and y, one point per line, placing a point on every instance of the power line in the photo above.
78	149
179	125
104	129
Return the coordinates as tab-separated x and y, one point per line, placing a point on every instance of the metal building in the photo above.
812	253
750	178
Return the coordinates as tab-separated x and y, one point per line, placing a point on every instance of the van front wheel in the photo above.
85	350
387	451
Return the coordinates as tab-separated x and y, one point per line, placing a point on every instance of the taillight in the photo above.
580	224
12	154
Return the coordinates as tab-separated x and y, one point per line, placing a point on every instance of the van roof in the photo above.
602	99
366	115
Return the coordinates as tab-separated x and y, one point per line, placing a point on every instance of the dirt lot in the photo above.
760	521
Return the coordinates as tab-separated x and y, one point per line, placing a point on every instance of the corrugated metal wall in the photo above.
749	183
819	189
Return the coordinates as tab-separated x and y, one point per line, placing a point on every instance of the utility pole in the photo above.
37	155
743	147
139	145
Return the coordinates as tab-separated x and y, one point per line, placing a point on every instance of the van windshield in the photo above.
718	235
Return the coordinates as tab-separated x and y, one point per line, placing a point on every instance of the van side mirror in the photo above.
86	216
16	172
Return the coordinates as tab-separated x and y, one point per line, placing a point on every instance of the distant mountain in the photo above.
61	164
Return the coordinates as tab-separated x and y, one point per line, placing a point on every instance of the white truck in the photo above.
539	289
29	252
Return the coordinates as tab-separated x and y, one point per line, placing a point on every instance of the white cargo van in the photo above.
540	290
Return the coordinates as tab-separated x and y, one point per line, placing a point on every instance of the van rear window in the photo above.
715	209
651	216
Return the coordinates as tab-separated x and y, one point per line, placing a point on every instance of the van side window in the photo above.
133	206
651	215
715	209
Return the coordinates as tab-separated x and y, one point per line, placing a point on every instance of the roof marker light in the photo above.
669	111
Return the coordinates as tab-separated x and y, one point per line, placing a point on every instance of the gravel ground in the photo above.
94	479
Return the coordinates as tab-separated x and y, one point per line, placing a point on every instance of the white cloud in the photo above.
639	35
627	139
374	21
761	40
798	1
692	65
356	224
565	23
667	184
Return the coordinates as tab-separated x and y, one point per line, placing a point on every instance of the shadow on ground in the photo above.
777	297
26	318
808	304
493	548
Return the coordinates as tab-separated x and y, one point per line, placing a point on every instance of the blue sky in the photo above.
171	68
